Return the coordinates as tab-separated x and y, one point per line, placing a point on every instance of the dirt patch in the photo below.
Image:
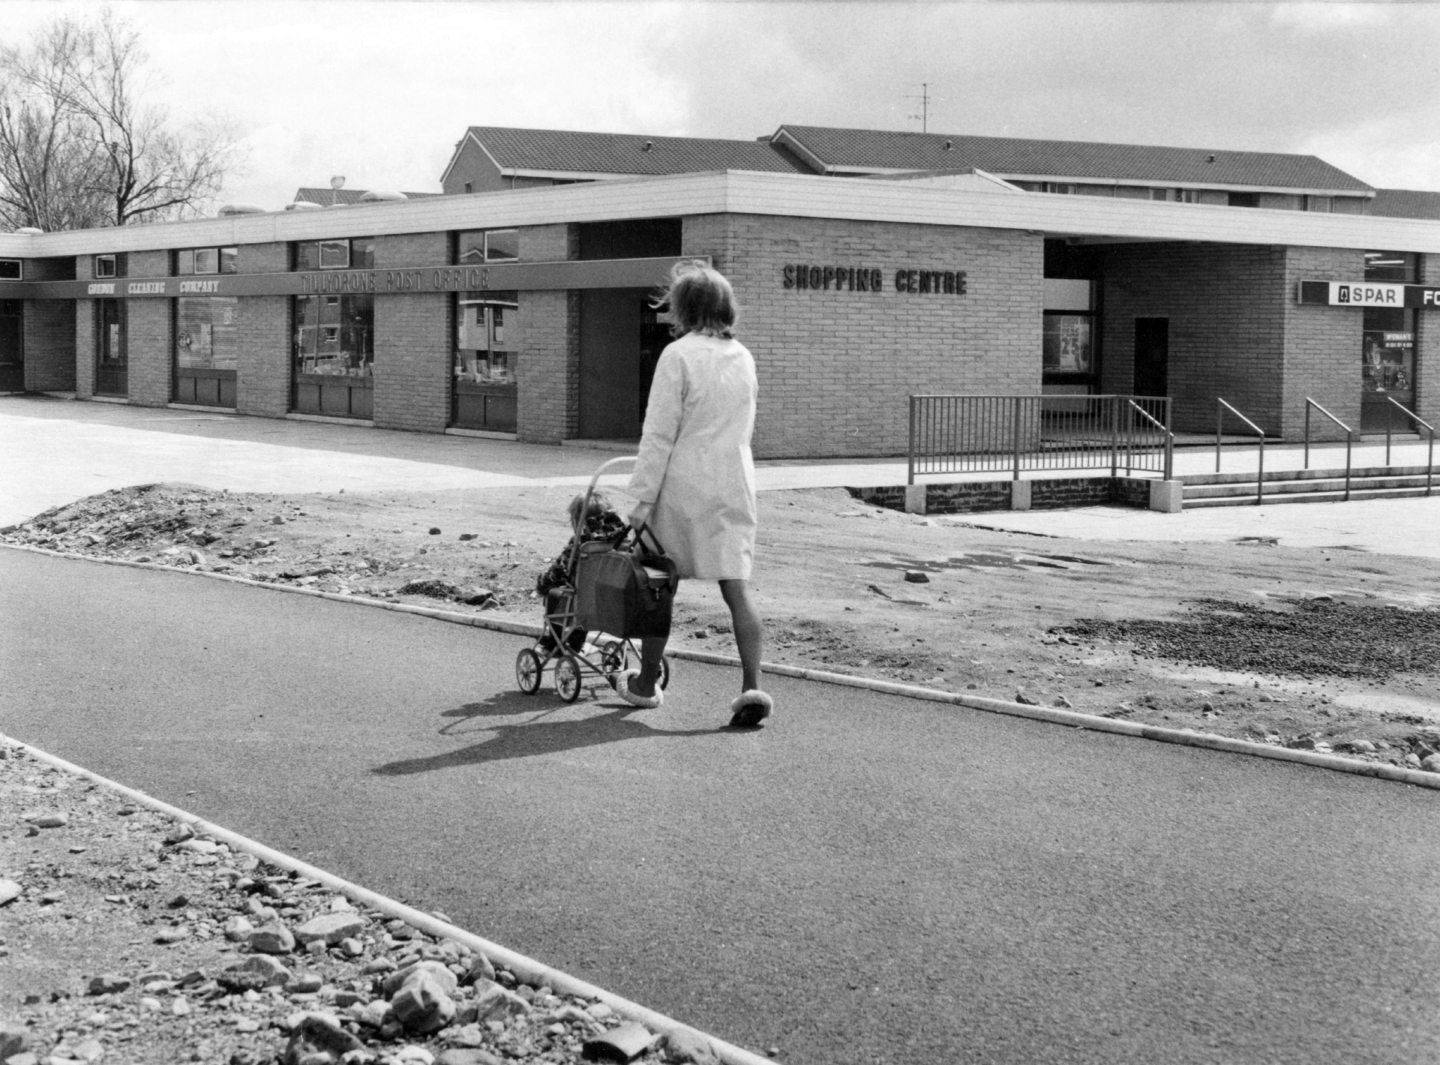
1327	648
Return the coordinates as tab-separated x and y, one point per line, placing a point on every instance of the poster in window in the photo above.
1066	344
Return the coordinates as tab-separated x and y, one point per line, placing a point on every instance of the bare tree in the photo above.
80	145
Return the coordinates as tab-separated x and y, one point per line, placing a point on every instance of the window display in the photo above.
1066	343
205	333
486	346
335	335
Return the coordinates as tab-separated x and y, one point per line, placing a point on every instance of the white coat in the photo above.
695	464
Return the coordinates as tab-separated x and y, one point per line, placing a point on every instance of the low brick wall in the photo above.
1045	494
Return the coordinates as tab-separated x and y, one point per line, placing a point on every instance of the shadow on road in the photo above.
535	736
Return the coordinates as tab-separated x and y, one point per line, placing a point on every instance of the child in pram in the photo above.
599	522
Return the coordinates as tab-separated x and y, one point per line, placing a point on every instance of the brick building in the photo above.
870	266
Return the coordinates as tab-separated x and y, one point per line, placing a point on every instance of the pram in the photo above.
572	652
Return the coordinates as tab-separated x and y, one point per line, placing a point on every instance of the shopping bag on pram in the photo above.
625	587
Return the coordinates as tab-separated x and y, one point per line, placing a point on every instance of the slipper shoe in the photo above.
750	708
621	683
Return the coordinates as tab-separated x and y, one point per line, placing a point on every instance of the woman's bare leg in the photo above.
749	631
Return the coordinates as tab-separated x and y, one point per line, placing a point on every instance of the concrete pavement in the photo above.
57	450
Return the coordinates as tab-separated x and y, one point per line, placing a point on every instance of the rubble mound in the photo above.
276	539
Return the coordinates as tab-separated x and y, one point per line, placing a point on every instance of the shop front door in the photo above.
112	369
609	364
1152	356
12	349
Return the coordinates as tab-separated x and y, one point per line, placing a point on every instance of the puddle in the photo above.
981	560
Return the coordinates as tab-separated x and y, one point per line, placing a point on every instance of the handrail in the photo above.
1169	436
1389	417
1219	422
1349	438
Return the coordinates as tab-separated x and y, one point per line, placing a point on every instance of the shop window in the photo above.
487	346
1068	332
354	254
1243	199
487	246
335	335
205	333
205	261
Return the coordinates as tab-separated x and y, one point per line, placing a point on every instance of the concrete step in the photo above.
1248	476
1358	493
1297	487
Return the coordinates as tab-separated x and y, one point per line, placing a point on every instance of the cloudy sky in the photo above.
379	91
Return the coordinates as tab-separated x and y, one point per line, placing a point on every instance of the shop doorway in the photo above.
620	342
12	347
112	367
1152	356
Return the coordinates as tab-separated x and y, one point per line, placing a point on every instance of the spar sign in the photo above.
1369	294
1345	293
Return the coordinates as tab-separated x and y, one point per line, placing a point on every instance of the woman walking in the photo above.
694	479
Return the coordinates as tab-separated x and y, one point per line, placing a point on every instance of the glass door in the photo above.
1387	356
112	368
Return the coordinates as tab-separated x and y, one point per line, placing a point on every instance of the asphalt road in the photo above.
870	879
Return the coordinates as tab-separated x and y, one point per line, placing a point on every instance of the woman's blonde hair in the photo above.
698	300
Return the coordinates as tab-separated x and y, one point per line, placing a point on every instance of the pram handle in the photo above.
585	510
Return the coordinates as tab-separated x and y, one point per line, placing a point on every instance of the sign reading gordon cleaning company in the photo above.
846	278
567	274
1369	294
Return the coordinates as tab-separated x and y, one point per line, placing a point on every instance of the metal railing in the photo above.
1349	438
1220	408
1015	434
1392	406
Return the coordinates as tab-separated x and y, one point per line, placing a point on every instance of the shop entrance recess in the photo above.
12	349
620	343
1152	356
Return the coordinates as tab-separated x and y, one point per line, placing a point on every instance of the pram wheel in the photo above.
567	679
528	668
612	657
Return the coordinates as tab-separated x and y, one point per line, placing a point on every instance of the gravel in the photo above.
126	937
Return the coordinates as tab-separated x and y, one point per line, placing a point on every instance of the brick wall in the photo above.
1048	493
262	369
548	367
412	362
263	258
1322	345
148	343
1226	310
836	367
84	349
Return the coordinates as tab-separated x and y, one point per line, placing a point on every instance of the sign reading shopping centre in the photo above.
1369	294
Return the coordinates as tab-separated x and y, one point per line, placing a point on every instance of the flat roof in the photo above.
1096	218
